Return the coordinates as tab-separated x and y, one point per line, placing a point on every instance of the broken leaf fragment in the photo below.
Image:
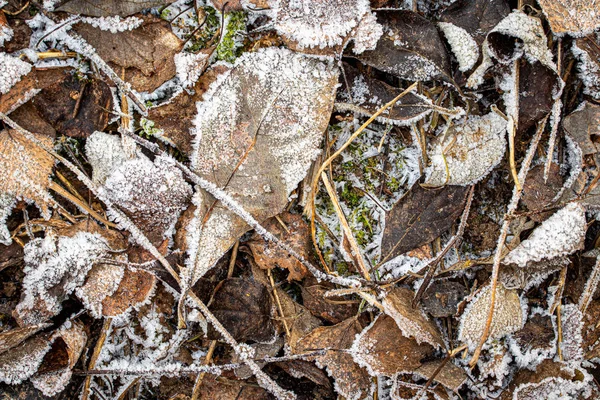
466	153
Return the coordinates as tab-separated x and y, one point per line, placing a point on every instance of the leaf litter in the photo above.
164	233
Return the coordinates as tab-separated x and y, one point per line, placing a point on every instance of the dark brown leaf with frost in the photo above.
333	309
476	17
135	287
441	299
13	337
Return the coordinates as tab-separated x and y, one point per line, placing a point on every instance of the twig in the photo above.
200	378
95	355
80	204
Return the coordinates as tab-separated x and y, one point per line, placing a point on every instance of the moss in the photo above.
229	49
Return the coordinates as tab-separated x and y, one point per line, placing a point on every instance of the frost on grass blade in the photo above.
508	316
12	70
257	132
469	151
561	234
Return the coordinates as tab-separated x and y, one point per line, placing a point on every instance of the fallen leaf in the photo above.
572	17
11	71
411	48
441	298
243	306
508	316
305	369
108	8
537	193
261	350
300	320
383	349
213	389
332	309
561	234
135	288
466	153
102	281
351	381
583	125
23	361
296	234
146	53
412	321
13	337
26	168
535	342
419	217
451	376
259	152
587	51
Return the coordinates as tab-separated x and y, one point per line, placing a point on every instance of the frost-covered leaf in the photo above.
54	267
147	53
451	376
7	202
587	50
152	194
573	17
538	192
583	125
107	8
508	316
261	350
535	342
22	362
257	132
410	48
136	287
105	153
412	321
441	298
325	24
467	152
351	381
419	217
102	281
13	337
26	168
12	69
561	234
296	234
189	67
572	330
330	308
367	95
383	349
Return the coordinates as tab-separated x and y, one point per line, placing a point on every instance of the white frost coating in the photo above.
7	203
113	24
588	70
464	47
23	361
189	67
572	334
321	23
471	151
52	383
556	388
367	34
105	154
49	4
11	71
561	234
51	262
6	33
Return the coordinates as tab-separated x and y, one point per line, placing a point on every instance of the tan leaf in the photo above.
13	337
135	288
103	280
412	321
26	168
573	17
451	376
508	316
351	381
23	361
383	350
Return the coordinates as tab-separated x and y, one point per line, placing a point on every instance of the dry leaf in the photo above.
351	381
108	8
466	153
561	234
135	288
441	298
383	349
539	193
573	17
412	321
102	281
587	51
583	125
330	308
451	376
26	168
259	149
299	319
13	337
24	360
508	316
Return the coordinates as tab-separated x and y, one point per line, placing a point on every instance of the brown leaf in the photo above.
537	86
103	280
300	321
332	309
419	217
13	337
351	381
477	17
412	321
135	288
214	389
306	369
441	299
23	361
451	376
574	17
26	168
244	308
538	193
146	52
587	50
297	236
537	336
383	350
583	125
108	8
261	350
410	48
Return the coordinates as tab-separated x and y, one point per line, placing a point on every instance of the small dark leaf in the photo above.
583	125
538	193
477	17
332	309
419	217
441	299
537	87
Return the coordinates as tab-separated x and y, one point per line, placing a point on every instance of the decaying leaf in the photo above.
561	234
466	153
13	337
152	194
135	288
299	319
587	50
102	281
351	381
244	308
508	316
296	233
538	193
261	350
21	362
257	132
451	376
419	217
441	299
332	309
383	349
535	342
147	52
411	48
326	24
12	69
26	168
109	8
412	321
573	17
583	125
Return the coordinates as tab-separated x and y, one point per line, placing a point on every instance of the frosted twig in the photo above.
512	206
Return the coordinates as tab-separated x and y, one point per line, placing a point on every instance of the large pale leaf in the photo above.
107	8
257	132
574	17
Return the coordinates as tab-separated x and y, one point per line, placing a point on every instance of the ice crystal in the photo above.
561	234
113	24
105	154
12	70
189	67
6	33
588	70
464	47
7	203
